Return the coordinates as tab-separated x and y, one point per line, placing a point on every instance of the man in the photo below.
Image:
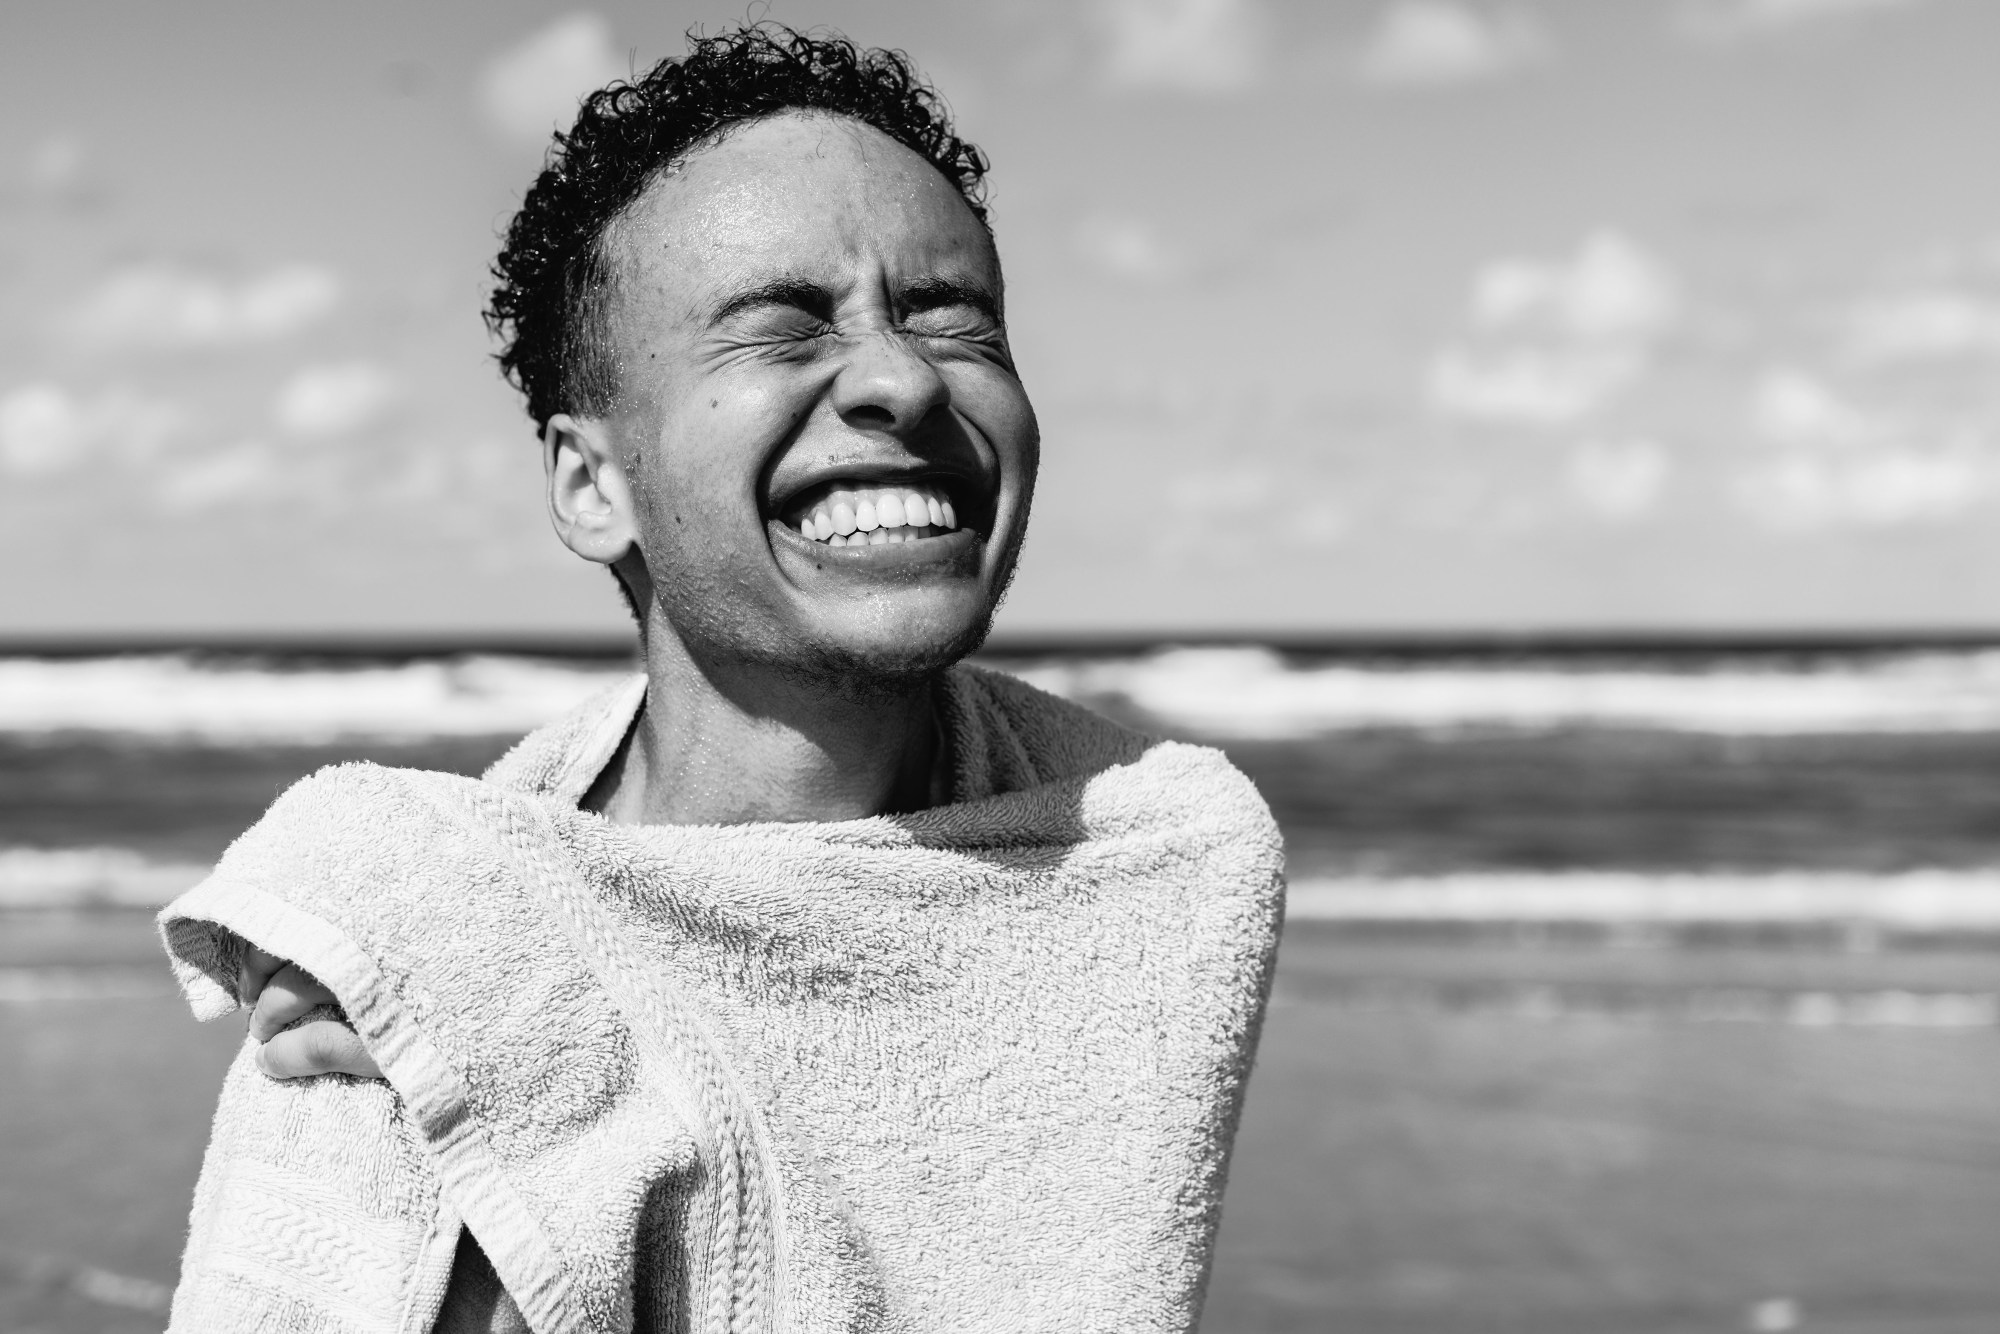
813	982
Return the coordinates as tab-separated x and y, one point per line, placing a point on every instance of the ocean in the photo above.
121	777
1620	990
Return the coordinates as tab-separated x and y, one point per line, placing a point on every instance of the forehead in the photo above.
806	195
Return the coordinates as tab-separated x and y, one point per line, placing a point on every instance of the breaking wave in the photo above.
1250	692
176	697
1254	693
100	877
1907	901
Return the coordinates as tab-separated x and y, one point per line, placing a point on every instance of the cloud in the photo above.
1880	488
1435	42
240	472
1129	249
1834	463
1613	286
532	89
42	429
1791	407
1924	325
164	305
1554	340
1531	386
46	429
1192	46
1737	20
334	399
1617	479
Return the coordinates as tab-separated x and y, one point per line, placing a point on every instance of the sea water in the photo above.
1495	780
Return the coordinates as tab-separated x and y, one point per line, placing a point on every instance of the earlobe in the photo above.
590	502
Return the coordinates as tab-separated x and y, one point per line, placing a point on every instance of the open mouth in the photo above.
873	515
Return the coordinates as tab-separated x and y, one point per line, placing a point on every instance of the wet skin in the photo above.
804	305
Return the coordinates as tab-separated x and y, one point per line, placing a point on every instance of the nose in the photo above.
886	386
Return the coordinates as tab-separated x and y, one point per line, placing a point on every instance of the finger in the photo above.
290	993
255	972
321	1047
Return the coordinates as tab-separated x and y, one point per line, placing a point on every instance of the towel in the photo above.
976	1068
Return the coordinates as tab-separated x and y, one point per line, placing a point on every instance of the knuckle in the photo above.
270	1017
271	1060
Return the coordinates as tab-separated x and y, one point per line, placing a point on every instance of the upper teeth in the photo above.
873	515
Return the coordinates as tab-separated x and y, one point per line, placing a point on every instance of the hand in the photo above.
281	994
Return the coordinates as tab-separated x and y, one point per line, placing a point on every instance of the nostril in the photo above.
870	416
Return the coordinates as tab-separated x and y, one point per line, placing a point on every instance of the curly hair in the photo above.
553	272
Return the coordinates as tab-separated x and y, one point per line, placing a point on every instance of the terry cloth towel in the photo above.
971	1069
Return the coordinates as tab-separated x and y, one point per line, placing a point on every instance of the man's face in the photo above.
810	349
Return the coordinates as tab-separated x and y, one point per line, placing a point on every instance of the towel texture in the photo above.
972	1069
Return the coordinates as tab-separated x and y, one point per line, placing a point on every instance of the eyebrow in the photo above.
937	293
795	292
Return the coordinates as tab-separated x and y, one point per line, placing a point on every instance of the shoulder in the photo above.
356	829
354	796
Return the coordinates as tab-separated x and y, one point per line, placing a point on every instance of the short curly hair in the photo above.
552	274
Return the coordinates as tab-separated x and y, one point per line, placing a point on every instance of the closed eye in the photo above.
787	314
779	324
938	308
953	322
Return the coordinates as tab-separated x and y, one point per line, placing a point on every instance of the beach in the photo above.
1628	993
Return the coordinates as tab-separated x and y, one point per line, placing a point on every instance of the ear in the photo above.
590	498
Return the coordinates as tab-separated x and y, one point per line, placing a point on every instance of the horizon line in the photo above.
1361	642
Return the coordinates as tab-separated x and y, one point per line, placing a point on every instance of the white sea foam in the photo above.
1910	901
1255	693
44	1273
90	878
173	697
1971	1011
1915	901
1218	692
36	985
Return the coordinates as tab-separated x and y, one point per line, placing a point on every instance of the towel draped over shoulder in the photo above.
971	1069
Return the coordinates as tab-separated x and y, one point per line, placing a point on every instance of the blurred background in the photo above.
1553	445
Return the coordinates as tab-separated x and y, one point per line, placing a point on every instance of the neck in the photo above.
733	744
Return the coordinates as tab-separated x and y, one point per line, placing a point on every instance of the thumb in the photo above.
317	1047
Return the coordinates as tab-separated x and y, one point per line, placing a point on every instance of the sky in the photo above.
1340	318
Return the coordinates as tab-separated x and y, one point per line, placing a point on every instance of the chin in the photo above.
885	666
891	635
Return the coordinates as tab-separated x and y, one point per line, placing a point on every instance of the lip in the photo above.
960	546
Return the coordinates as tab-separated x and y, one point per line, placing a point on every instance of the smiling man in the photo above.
810	466
812	981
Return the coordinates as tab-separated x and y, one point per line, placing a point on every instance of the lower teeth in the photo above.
881	537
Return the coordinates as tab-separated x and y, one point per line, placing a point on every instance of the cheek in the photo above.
999	407
701	472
